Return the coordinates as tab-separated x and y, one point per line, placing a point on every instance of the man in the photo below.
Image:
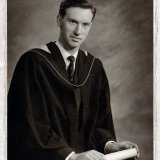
59	100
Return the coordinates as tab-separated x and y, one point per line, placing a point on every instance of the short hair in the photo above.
65	4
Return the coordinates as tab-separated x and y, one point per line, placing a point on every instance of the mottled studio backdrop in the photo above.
121	36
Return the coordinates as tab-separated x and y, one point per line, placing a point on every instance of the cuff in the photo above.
107	144
67	158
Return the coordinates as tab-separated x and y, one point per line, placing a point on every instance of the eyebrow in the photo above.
72	19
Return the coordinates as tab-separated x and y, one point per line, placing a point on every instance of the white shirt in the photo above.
65	54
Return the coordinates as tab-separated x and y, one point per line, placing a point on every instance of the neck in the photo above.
69	50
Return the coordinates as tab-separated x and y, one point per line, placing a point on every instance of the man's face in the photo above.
74	27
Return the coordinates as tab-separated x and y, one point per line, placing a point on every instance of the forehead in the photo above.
79	14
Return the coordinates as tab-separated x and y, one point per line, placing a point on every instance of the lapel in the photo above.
83	64
57	59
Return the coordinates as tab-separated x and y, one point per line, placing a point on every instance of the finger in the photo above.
138	154
132	145
125	146
128	145
136	147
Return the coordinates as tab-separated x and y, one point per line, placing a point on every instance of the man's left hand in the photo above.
114	147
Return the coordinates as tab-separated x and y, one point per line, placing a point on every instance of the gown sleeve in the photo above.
104	131
29	129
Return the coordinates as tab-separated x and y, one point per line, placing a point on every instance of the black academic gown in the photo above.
48	117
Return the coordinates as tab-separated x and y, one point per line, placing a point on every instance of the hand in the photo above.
114	147
89	155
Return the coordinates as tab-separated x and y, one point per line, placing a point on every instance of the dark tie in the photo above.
70	68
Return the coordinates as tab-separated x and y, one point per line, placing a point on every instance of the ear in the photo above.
59	18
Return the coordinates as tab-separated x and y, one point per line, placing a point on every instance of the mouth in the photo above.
76	39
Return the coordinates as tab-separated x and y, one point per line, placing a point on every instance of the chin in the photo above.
74	44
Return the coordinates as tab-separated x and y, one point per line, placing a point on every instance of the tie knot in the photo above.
71	58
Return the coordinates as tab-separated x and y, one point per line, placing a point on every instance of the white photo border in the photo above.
156	102
3	79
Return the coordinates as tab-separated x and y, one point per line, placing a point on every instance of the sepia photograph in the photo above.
80	80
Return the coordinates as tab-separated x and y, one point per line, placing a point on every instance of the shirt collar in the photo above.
64	53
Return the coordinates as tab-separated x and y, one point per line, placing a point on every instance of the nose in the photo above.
78	30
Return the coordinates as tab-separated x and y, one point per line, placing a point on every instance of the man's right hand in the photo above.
89	155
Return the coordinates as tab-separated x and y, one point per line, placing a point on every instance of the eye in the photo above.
73	21
86	24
